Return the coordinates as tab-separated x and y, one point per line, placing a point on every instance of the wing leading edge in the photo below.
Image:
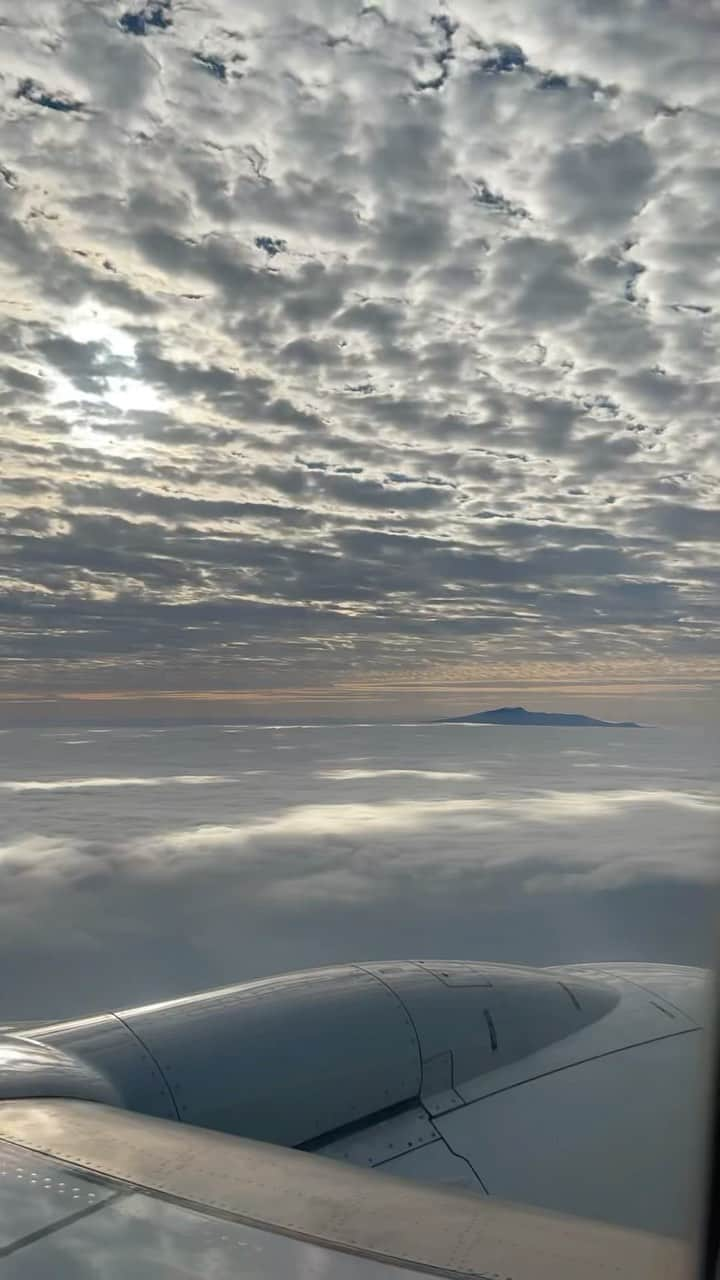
141	1190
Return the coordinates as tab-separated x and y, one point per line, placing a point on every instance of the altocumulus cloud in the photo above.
369	338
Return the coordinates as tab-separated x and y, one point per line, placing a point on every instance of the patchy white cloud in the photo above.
40	856
428	775
85	784
355	853
342	342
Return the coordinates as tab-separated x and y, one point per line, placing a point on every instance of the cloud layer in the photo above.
340	844
350	850
365	341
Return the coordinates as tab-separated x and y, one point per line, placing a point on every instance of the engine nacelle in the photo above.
291	1058
415	1067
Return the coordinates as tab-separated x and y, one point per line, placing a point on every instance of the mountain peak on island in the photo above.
521	716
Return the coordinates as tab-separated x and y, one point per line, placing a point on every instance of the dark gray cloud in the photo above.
35	93
392	328
141	21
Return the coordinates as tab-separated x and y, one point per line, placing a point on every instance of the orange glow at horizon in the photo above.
663	677
361	694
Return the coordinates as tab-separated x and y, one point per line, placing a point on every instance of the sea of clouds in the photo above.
142	863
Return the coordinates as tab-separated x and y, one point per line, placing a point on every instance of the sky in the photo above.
358	360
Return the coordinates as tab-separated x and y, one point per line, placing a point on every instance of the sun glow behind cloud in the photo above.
126	392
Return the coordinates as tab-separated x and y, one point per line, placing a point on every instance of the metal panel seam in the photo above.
405	1010
358	1126
649	992
51	1227
579	1062
457	1154
155	1191
154	1060
400	1155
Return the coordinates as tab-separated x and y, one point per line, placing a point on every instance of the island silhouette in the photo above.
521	716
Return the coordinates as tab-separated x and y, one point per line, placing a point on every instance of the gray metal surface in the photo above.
381	1062
36	1193
40	1068
681	987
287	1058
586	1123
139	1237
325	1203
296	1057
385	1140
636	1016
617	1138
434	1163
472	1018
56	1225
97	1058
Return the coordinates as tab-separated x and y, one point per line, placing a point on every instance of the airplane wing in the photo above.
88	1190
571	1090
